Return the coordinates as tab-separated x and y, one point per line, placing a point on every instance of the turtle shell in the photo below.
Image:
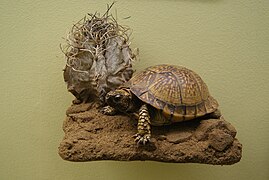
179	92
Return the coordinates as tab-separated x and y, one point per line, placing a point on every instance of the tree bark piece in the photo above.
91	136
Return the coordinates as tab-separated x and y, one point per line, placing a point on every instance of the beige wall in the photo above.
225	41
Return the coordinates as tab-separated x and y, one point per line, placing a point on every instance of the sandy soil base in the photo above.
90	136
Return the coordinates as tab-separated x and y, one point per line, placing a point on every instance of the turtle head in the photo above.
120	99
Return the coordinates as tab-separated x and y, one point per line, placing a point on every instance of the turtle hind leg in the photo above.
143	127
215	115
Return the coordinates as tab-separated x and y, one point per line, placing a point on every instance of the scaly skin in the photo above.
143	127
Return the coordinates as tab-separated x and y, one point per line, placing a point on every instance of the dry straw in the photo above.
98	56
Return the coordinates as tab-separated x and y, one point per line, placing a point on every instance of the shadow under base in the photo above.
91	136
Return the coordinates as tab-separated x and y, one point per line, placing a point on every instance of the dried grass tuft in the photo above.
98	56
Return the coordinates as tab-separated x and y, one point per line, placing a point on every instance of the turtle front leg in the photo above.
108	110
143	127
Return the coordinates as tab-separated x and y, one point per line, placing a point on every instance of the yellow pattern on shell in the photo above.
178	91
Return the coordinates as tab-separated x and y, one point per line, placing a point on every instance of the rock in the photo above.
90	136
178	137
219	140
209	125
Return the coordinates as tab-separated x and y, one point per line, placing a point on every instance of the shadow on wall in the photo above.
155	170
202	1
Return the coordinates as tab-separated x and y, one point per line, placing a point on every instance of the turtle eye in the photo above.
117	98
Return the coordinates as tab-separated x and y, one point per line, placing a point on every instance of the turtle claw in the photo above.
108	110
142	139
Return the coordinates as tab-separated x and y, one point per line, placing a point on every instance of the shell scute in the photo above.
180	93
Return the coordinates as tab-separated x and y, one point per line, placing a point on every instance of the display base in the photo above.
92	136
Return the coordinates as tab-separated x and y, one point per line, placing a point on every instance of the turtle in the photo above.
161	95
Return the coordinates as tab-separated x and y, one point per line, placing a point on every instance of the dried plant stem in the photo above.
97	50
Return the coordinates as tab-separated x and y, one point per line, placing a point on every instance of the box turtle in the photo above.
160	95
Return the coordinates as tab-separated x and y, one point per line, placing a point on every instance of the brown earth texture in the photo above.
91	136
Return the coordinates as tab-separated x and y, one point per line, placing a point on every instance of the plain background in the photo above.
225	41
